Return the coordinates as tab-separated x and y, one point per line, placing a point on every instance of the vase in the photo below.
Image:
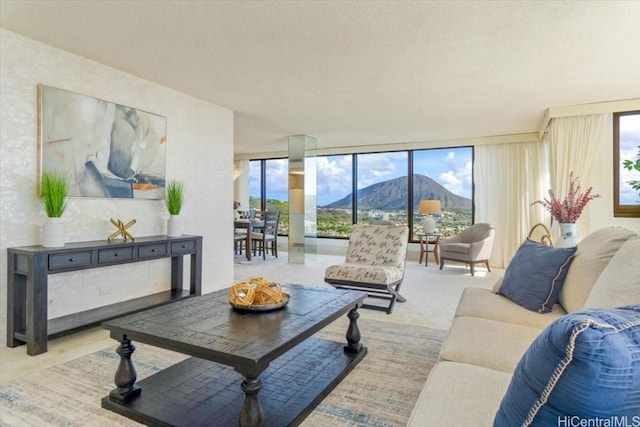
174	226
568	236
53	233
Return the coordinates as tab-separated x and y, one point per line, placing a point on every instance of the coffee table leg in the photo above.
126	375
251	414
353	333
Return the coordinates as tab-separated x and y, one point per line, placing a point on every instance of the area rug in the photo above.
380	391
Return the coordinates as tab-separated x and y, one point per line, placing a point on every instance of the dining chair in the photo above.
239	239
268	235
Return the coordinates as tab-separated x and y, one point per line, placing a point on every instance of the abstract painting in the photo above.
104	149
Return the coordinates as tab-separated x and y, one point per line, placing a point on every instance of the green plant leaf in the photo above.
55	187
175	197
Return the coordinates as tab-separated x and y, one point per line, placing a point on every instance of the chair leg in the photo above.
441	263
487	264
472	265
391	303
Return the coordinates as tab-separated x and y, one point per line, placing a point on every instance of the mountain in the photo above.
392	195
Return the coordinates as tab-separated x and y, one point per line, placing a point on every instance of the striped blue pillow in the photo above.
584	366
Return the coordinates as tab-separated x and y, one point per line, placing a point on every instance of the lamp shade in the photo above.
429	207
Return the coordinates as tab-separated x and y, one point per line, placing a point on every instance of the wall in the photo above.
199	153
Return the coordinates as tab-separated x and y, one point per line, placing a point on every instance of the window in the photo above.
276	186
364	187
444	174
382	187
255	185
626	164
334	195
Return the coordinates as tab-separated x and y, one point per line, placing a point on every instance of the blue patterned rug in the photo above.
380	391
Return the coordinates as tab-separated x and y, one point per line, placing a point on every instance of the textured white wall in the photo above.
199	153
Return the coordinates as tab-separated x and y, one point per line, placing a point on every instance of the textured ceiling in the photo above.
358	73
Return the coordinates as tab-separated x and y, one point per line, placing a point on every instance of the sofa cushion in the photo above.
585	364
535	275
459	248
619	282
478	302
488	343
593	254
450	387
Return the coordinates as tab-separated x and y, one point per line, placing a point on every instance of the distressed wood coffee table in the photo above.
247	369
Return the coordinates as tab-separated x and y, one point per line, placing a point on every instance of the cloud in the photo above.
377	167
334	178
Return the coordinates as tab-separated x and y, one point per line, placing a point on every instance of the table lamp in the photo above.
429	207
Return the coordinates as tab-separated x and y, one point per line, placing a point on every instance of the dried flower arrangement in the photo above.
569	209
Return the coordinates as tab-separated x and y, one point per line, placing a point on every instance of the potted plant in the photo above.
174	201
568	210
54	189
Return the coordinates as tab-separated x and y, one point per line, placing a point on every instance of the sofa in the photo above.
491	333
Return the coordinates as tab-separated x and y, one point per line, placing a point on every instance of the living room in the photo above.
581	66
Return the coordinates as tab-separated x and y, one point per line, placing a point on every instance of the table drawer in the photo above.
69	260
114	255
152	251
183	247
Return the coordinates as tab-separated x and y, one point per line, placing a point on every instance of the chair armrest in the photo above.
481	249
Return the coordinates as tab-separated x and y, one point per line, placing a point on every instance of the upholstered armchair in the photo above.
472	246
375	263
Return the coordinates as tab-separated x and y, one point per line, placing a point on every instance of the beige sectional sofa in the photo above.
490	333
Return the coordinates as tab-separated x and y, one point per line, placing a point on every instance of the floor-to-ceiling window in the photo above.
444	175
364	187
255	185
269	188
334	195
382	187
276	190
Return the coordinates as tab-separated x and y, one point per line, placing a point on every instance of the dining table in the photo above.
249	225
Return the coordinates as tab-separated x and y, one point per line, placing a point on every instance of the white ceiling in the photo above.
358	72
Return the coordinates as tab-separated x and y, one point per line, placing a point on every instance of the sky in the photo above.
451	167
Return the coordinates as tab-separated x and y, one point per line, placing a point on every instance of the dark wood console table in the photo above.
28	268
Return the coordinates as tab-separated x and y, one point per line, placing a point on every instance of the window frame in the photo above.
354	183
620	210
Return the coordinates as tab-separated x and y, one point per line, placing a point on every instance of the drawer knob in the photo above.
72	259
116	254
153	250
184	246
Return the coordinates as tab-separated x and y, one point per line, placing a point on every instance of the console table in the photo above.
28	268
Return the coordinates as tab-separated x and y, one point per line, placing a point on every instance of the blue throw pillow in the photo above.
584	366
535	275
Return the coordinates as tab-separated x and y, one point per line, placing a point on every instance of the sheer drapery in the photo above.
508	179
572	144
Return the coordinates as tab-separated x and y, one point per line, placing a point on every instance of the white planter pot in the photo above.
174	226
568	236
53	235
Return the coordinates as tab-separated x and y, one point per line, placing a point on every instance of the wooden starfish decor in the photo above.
122	230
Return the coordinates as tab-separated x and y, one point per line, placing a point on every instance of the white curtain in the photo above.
508	179
572	144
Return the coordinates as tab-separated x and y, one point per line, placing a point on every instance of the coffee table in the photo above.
247	369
